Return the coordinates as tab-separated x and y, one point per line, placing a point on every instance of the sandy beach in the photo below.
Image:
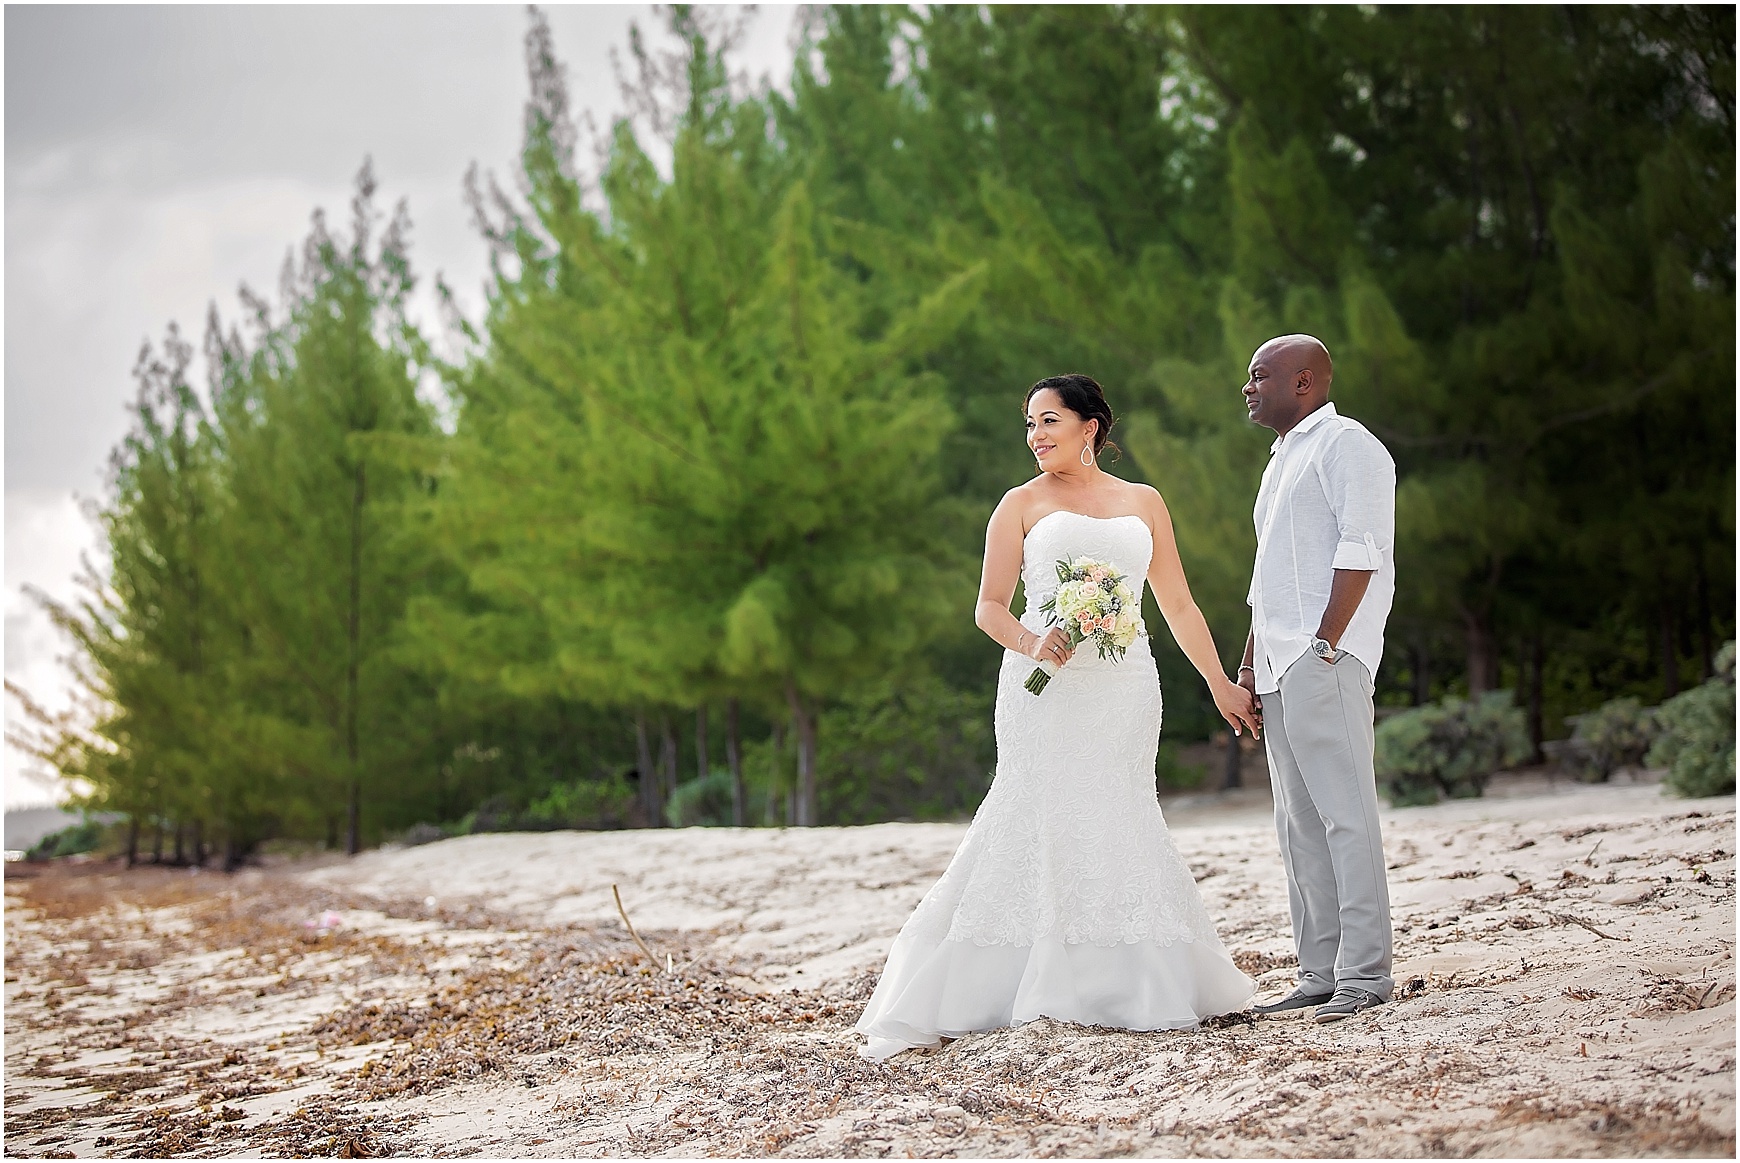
1565	970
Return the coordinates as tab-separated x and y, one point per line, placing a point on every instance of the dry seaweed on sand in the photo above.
159	1012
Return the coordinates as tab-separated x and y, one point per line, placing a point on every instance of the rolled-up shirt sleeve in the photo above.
1360	479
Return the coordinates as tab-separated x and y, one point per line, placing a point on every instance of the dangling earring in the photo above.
1087	459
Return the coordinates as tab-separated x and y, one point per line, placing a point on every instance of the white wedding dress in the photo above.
1067	898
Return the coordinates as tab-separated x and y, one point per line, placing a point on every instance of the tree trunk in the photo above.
1670	661
1422	673
353	826
157	840
1535	663
199	844
132	840
734	760
1482	658
776	777
667	760
1231	773
701	748
649	776
1706	639
180	846
804	723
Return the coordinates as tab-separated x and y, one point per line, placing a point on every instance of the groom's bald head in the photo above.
1301	353
1289	379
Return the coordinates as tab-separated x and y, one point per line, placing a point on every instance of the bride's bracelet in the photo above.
1021	643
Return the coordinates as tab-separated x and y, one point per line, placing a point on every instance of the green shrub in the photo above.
1449	748
702	802
1173	774
583	803
1616	734
85	836
922	752
1696	735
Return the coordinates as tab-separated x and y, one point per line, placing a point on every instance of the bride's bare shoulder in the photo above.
1018	500
1145	499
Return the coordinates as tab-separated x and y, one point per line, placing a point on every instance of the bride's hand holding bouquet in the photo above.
1052	648
1093	603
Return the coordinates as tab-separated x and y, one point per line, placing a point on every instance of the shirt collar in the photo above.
1306	425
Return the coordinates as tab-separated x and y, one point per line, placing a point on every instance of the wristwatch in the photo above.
1325	651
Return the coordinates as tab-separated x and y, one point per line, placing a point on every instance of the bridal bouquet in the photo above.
1092	602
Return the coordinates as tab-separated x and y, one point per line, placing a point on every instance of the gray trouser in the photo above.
1319	734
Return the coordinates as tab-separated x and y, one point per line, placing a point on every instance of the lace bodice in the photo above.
1124	542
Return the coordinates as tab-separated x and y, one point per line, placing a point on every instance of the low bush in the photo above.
1172	773
1695	740
1449	748
704	802
584	803
1616	734
86	836
590	804
421	834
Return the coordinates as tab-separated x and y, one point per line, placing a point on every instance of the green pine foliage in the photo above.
727	435
736	489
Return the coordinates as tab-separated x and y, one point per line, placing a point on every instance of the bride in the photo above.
1067	898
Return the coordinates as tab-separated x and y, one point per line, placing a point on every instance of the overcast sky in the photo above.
158	156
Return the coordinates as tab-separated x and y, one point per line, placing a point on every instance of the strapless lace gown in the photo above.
1067	898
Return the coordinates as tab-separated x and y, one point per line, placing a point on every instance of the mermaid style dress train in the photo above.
1067	897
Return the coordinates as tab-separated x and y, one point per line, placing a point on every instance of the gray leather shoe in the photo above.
1345	1004
1297	1000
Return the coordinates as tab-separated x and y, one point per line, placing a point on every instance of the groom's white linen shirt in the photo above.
1327	502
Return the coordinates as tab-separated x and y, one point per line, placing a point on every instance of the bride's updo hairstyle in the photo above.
1083	396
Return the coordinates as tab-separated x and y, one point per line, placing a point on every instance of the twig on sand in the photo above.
1570	920
623	913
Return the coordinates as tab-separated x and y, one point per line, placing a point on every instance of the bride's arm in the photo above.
1189	628
1003	538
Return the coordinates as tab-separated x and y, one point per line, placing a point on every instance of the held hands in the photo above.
1239	705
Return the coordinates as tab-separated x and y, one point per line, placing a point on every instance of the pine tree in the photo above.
149	634
735	493
319	523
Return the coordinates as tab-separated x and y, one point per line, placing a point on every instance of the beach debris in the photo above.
1570	919
577	1018
324	923
623	913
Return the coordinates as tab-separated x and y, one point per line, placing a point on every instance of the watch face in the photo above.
1323	649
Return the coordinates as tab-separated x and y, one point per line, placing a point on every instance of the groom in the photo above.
1321	588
